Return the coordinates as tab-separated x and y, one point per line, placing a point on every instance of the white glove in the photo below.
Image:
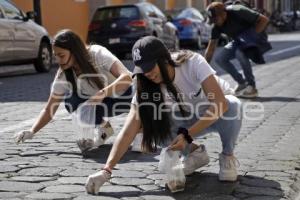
23	135
96	180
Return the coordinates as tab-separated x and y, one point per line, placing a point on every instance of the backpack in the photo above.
236	2
253	44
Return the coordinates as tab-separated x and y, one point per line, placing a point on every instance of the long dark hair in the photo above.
157	130
69	40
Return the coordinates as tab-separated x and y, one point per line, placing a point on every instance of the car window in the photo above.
148	9
190	13
158	12
184	14
116	13
1	14
198	15
11	11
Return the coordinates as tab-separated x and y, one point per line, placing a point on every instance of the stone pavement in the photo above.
51	167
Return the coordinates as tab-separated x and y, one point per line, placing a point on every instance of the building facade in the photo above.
76	14
58	14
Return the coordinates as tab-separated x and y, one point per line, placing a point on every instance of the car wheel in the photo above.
44	61
198	43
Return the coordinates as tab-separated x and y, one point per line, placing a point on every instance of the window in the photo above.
158	12
148	9
191	13
116	13
1	14
11	11
198	15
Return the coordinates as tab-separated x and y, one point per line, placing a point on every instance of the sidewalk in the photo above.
50	166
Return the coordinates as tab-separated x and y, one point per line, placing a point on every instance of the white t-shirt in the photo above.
188	79
103	60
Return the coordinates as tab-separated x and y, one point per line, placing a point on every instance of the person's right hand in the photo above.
23	135
178	144
96	180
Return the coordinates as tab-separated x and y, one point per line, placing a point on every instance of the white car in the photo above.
22	40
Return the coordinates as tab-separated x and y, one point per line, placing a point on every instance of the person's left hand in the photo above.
98	97
178	144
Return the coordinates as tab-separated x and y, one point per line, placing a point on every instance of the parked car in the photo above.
286	20
192	27
119	27
22	40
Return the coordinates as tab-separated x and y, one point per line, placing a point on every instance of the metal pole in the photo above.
189	3
37	10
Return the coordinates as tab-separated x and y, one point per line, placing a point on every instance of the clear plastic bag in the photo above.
171	165
84	121
136	144
225	86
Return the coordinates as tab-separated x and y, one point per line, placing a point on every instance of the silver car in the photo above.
22	40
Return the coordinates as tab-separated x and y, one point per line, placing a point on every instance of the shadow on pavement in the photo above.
200	185
205	186
101	153
279	99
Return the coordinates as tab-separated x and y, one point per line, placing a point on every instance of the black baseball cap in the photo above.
145	53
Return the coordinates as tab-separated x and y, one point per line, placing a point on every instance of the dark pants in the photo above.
108	108
229	52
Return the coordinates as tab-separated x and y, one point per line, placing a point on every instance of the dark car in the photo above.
119	27
192	27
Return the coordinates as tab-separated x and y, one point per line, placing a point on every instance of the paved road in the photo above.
285	45
51	167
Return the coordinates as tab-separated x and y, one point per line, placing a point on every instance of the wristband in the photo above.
107	170
185	133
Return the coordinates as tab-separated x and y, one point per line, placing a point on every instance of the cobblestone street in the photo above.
51	167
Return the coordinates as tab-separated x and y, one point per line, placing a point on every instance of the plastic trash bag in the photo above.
171	165
83	120
136	144
225	86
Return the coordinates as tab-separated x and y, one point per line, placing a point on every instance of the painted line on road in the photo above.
60	114
283	51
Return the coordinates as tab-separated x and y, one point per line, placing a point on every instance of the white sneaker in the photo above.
228	165
102	134
85	144
136	145
195	160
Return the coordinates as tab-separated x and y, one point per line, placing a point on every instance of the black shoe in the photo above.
249	92
240	88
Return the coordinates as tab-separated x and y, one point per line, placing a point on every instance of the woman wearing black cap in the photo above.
178	97
86	73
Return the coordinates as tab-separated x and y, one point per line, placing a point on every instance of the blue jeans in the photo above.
229	52
228	126
108	108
